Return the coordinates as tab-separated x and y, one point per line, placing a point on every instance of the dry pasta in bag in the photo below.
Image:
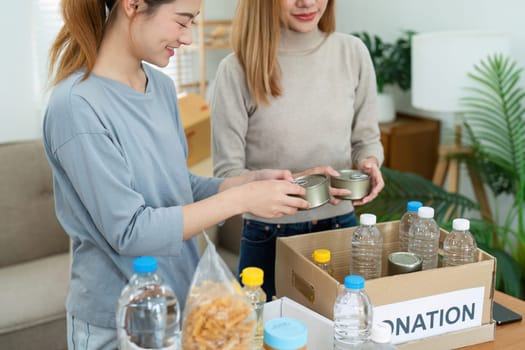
217	315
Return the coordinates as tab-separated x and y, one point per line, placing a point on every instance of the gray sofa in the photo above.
34	252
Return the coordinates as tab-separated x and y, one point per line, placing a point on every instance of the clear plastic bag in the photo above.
217	315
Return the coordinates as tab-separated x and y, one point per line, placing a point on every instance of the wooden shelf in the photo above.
217	46
411	144
208	35
216	34
212	35
195	117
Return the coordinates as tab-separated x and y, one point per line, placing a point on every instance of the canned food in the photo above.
403	262
317	189
356	181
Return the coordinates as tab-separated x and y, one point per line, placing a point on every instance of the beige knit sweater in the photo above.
326	115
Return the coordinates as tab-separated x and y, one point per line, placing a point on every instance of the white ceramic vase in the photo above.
386	111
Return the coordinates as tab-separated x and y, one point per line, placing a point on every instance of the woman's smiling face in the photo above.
156	36
303	15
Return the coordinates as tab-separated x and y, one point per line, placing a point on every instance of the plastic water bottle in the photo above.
459	246
406	221
322	258
380	338
352	315
367	248
423	237
148	312
252	279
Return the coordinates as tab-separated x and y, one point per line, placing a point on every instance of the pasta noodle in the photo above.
217	319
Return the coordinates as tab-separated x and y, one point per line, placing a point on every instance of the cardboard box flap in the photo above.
308	280
320	329
193	109
195	119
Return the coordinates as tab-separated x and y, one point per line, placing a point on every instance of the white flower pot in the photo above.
386	111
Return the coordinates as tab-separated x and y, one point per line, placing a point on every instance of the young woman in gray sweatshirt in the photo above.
115	142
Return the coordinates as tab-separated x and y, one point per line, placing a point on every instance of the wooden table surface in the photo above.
508	336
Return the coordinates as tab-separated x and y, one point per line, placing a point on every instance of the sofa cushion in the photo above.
230	234
47	336
28	225
34	293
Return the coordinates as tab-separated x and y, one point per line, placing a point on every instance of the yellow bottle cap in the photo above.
252	276
321	256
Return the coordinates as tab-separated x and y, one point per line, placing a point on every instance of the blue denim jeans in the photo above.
82	335
259	239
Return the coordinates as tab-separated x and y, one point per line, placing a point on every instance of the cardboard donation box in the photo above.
320	329
442	308
195	117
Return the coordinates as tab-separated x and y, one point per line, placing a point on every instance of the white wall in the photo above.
216	10
19	116
387	18
219	9
20	112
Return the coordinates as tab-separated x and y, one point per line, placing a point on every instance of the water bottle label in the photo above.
429	316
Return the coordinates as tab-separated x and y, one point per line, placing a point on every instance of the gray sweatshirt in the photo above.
325	116
120	180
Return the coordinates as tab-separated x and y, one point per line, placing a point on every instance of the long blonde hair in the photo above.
256	31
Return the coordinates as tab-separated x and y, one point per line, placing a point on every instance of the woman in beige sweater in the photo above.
294	95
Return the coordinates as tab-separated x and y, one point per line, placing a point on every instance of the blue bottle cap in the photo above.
285	333
145	264
354	282
414	206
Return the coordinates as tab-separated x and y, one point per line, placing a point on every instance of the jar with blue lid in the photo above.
285	334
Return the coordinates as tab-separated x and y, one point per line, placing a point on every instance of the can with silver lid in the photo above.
317	189
403	262
356	181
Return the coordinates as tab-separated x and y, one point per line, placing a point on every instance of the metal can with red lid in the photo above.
317	189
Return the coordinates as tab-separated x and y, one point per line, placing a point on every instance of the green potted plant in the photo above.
392	64
494	120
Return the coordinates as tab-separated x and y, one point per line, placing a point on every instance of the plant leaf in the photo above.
493	116
401	187
508	275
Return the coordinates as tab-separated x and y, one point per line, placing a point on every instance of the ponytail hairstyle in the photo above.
76	45
256	29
